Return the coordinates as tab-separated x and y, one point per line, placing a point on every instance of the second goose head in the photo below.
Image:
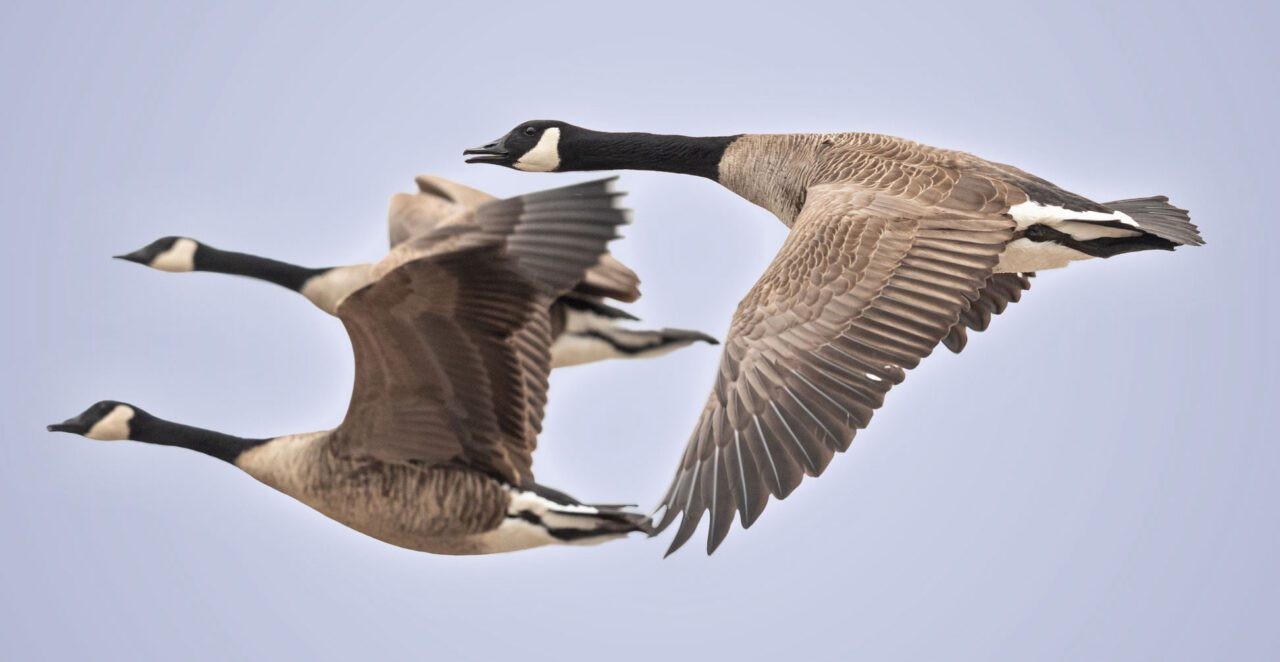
325	287
172	254
105	421
555	146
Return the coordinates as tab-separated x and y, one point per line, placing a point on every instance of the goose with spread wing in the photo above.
894	247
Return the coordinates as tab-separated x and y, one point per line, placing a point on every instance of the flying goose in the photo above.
584	327
451	339
894	247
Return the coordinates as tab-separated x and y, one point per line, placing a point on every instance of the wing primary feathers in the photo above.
853	299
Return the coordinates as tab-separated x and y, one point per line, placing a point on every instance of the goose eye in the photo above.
529	131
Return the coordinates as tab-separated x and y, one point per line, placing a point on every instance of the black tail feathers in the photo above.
1156	216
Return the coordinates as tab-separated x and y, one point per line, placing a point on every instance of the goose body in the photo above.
894	247
585	329
438	509
451	335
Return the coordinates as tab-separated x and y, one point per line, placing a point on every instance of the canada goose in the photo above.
894	247
451	340
584	327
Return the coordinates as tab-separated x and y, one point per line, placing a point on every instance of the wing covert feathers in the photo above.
452	341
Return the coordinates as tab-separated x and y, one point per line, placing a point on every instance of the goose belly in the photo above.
442	511
438	510
1024	255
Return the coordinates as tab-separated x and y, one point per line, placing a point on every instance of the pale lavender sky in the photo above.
1094	478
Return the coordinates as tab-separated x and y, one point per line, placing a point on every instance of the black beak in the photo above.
494	152
72	425
136	256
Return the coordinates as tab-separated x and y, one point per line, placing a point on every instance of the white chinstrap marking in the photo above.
114	426
545	156
179	258
1030	213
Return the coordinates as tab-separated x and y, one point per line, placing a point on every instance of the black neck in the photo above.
582	149
283	274
154	430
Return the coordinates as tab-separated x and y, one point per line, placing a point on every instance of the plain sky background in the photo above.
1094	478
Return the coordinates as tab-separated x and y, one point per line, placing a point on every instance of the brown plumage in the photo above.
441	201
999	291
584	327
894	248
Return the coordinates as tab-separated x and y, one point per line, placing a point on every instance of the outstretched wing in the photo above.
452	340
865	286
440	201
999	291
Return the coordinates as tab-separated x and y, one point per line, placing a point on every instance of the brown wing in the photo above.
863	288
452	340
996	295
440	200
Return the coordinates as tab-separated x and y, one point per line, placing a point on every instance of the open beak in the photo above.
493	152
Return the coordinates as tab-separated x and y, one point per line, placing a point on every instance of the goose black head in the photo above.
554	146
173	254
105	421
531	146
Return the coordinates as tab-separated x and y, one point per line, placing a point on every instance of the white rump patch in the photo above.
113	426
581	342
1030	213
575	349
180	258
516	533
529	502
545	156
577	345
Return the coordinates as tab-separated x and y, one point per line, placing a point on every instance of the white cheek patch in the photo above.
545	156
113	426
180	257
